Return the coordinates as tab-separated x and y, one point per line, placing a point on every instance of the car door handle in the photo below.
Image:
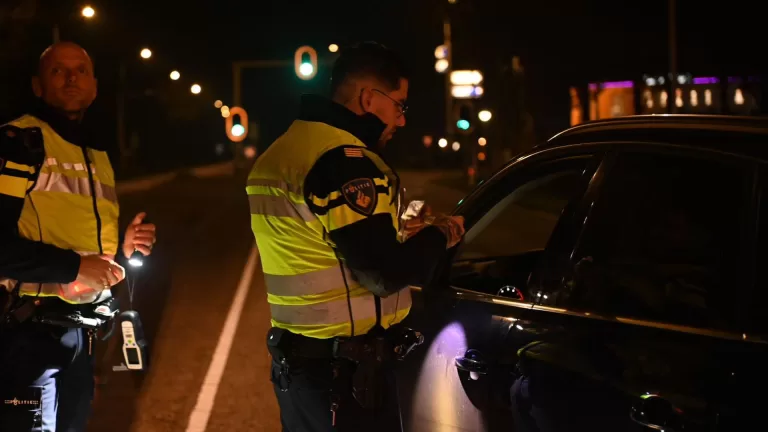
472	361
655	412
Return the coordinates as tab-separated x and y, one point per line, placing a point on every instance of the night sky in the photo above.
560	43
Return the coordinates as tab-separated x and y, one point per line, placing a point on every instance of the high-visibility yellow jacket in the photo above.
69	201
309	288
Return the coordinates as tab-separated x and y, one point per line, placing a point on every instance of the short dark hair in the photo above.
368	60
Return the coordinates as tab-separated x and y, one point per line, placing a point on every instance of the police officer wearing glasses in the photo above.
337	257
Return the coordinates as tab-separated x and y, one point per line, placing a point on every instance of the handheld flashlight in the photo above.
137	258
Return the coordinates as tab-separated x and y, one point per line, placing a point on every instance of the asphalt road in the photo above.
184	294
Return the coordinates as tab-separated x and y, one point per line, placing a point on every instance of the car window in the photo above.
665	242
757	314
515	224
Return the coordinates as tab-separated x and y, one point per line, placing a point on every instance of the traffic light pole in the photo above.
448	96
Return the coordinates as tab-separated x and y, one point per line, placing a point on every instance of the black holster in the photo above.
375	356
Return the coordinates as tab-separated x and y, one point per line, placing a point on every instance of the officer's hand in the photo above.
99	272
139	236
451	226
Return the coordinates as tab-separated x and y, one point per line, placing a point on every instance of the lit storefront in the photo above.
685	94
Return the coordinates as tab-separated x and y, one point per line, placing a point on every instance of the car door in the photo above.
460	379
655	302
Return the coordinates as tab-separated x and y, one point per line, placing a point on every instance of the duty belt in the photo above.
53	311
382	346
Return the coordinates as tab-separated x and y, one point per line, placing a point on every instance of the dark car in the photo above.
611	279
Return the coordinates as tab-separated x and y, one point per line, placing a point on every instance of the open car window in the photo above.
514	225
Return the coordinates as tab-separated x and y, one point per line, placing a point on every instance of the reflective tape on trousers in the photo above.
337	311
57	182
281	206
314	282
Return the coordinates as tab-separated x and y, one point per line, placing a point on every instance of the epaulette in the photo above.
22	145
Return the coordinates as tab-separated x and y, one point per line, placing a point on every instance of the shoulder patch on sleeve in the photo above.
361	195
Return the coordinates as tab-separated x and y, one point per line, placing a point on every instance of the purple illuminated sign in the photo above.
706	80
617	84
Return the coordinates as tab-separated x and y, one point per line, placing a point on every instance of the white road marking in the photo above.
198	420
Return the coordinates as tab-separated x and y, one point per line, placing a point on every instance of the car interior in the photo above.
502	248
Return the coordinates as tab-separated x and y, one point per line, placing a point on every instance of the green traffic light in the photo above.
306	69
238	130
462	124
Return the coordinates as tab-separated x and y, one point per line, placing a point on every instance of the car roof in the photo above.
747	136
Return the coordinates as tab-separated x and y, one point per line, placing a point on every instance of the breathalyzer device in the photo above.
134	345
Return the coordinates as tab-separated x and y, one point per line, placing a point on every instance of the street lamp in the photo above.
146	53
441	65
175	75
484	116
88	12
443	143
455	146
218	104
195	89
333	48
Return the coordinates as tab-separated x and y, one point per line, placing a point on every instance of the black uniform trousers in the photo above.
46	378
311	386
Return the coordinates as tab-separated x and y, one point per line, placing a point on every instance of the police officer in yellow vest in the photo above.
58	241
325	212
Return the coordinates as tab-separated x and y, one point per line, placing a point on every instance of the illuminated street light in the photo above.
195	89
175	75
455	146
441	52
88	12
333	48
225	113
443	143
482	142
441	65
484	115
218	104
146	53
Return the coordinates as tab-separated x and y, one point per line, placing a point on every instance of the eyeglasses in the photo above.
401	107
